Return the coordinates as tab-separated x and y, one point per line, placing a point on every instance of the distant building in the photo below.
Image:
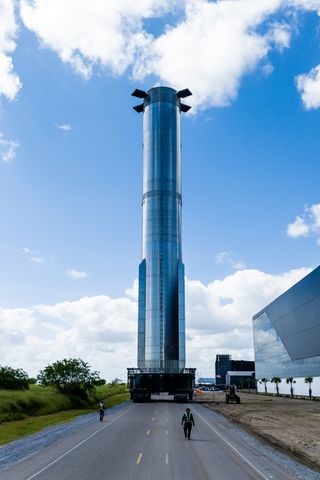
224	364
287	336
241	379
206	380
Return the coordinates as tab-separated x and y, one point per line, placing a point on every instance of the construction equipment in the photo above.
231	396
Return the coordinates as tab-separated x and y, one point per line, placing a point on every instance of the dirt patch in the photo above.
290	424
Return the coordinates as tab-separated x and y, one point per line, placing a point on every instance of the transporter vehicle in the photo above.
142	385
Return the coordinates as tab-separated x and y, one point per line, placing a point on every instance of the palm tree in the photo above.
264	381
291	381
309	380
276	380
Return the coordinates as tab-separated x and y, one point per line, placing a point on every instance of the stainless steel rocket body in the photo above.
161	317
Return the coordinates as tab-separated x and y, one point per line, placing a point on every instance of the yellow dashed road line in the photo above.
139	458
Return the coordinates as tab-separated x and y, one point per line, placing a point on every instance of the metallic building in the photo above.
161	315
287	332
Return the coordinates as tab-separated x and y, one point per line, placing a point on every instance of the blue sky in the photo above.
71	168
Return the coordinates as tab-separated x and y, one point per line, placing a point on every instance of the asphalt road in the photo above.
146	441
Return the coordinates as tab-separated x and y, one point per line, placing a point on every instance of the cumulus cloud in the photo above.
215	45
64	126
75	274
309	5
133	291
102	330
8	148
85	32
209	46
99	329
309	88
9	81
307	224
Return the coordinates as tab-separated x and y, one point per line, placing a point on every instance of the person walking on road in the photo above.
101	409
187	422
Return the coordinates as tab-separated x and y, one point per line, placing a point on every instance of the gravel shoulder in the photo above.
291	425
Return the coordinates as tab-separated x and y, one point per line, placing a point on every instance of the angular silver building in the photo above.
161	317
286	333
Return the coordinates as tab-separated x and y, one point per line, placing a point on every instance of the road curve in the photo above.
146	441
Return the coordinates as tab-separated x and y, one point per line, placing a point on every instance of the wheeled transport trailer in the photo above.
142	385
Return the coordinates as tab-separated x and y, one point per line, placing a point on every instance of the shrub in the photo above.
69	376
100	382
13	379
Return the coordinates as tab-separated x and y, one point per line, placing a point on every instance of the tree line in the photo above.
71	376
290	381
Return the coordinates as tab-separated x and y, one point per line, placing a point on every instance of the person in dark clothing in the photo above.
101	410
187	422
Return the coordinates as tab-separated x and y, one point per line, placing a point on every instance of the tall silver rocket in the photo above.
161	311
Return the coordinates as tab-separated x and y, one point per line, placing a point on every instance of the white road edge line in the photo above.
78	445
233	448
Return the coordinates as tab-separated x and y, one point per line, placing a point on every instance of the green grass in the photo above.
20	428
17	405
12	430
39	400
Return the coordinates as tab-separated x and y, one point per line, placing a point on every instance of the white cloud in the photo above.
64	126
209	48
229	258
309	5
33	255
85	32
8	148
102	330
309	88
298	228
215	45
99	329
307	224
133	291
71	273
9	81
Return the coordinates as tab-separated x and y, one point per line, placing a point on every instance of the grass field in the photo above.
16	429
26	412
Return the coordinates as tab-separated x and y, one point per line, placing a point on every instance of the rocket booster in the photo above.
161	310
